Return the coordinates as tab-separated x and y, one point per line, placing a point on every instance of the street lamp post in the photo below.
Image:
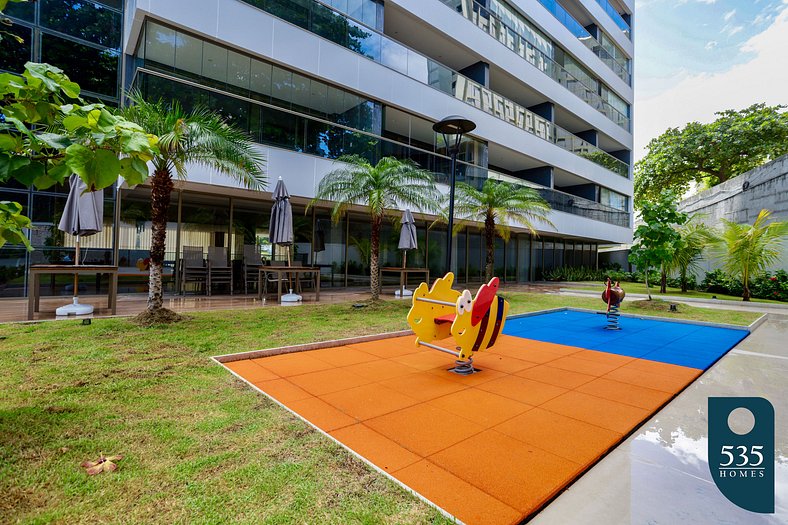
452	128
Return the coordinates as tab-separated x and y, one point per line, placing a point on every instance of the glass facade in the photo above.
82	37
334	26
282	108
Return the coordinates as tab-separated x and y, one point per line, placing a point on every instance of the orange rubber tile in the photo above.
502	363
491	447
638	396
377	448
458	497
584	366
559	435
287	365
342	356
321	414
597	411
251	371
423	386
368	401
523	390
424	430
379	370
327	381
664	382
520	475
555	376
480	407
283	390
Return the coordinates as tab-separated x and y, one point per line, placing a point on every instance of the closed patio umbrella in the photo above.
83	216
281	229
407	241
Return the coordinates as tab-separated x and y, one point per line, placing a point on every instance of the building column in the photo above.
478	72
545	110
542	175
591	136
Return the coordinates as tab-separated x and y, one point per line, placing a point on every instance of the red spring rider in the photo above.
613	295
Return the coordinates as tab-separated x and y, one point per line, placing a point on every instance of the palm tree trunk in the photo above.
684	280
374	253
489	232
161	189
663	280
745	281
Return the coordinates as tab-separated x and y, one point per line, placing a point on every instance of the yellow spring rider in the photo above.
474	323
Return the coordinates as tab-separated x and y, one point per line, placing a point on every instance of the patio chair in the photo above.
219	272
271	278
252	263
193	269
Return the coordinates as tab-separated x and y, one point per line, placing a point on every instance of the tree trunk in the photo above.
161	189
746	282
683	281
663	280
648	291
374	254
489	233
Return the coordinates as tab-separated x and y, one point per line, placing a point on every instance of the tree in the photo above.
498	205
746	251
47	132
708	154
382	188
200	137
695	237
657	239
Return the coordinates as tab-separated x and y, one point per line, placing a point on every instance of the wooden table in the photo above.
36	270
279	270
403	272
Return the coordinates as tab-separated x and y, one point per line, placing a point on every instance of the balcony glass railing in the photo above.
489	22
294	131
344	31
568	203
577	29
616	17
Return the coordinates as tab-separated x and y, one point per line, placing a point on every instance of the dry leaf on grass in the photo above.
104	464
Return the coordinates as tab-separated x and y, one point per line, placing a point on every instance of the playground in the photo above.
521	409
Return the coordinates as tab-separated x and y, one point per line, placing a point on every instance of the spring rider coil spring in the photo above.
613	295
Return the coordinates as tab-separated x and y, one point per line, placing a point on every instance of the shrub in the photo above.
718	281
771	286
675	282
574	273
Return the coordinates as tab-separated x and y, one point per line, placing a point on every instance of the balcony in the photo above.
616	17
491	24
567	203
577	29
340	29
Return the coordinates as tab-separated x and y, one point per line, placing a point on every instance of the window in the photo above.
160	45
85	20
93	69
613	199
13	55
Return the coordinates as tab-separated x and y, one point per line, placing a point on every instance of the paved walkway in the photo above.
660	474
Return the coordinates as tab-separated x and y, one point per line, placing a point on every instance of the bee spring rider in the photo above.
474	322
613	295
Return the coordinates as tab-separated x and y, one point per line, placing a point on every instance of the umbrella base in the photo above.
75	308
291	297
405	293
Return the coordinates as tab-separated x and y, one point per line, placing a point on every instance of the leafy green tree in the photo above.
657	238
695	238
382	188
708	154
198	137
498	205
7	21
47	132
747	250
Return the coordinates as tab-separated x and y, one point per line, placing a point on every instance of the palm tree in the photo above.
695	237
498	205
748	250
386	186
199	137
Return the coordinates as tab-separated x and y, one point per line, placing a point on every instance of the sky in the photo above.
696	57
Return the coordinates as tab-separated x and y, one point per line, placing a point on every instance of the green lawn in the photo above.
641	288
199	445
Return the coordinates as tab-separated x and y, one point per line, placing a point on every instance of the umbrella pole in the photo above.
289	275
76	275
404	258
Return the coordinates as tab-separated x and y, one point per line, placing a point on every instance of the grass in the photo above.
641	289
199	446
